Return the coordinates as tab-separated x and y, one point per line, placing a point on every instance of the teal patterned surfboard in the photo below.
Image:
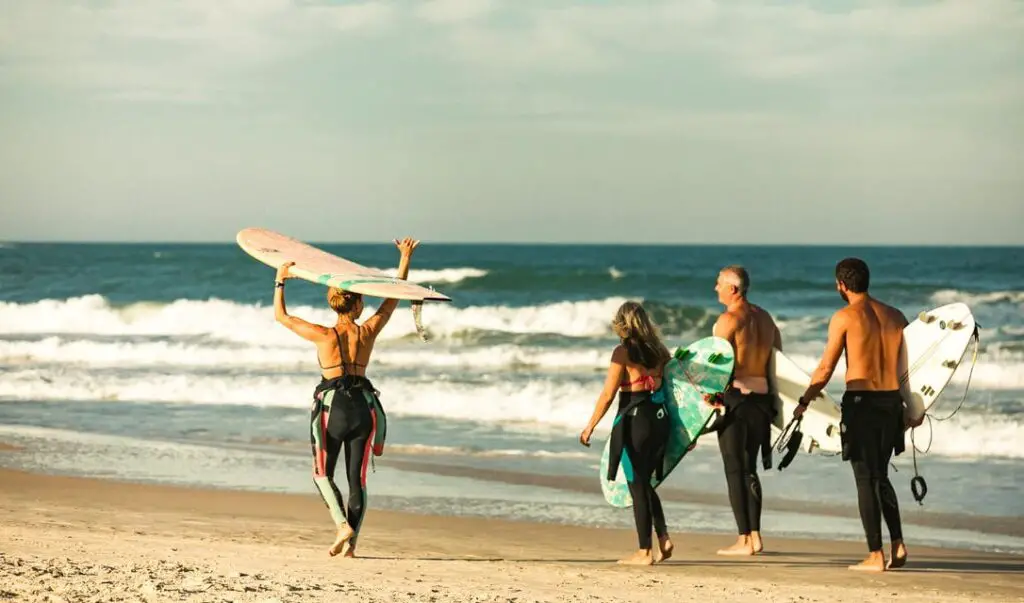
702	367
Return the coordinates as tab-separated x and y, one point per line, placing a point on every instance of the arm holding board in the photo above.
383	314
302	328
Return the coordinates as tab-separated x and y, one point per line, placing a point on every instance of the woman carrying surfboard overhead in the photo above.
346	408
641	427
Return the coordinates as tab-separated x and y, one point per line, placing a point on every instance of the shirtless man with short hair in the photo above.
871	335
748	402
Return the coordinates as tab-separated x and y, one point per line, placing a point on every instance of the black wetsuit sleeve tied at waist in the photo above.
733	399
358	389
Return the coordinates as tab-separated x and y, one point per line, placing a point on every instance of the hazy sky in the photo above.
462	120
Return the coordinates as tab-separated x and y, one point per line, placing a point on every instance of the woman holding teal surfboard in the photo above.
641	428
346	411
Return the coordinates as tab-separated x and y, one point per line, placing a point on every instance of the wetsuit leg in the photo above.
657	514
358	452
326	448
646	437
871	433
756	420
732	444
740	441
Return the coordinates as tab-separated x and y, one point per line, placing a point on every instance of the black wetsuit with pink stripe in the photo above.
346	416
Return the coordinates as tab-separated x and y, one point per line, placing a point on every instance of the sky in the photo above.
664	121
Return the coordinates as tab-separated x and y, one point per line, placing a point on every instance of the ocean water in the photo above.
163	363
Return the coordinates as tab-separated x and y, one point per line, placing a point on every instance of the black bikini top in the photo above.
341	355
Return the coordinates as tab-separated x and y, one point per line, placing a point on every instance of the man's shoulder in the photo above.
762	314
843	316
728	317
891	312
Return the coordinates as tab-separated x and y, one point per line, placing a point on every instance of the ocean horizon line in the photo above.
513	243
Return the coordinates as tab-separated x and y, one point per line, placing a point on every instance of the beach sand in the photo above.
77	539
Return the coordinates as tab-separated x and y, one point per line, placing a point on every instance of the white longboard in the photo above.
936	342
318	266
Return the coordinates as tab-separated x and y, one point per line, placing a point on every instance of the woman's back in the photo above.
348	353
644	368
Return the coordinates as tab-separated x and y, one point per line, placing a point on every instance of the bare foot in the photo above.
874	563
742	548
349	550
641	557
664	551
755	540
344	533
665	548
899	555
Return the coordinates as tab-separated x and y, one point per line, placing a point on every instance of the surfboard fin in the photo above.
417	316
716	358
682	354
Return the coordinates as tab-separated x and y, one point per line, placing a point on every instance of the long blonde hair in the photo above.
640	336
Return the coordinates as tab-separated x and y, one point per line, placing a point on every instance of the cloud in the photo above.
748	37
453	11
541	47
185	51
172	51
351	17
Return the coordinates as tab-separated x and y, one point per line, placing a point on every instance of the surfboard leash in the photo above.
918	486
974	360
417	317
789	440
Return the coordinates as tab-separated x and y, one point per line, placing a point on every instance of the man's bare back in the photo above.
753	334
870	334
750	330
874	341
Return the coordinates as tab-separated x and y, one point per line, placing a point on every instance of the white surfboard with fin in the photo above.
936	342
318	266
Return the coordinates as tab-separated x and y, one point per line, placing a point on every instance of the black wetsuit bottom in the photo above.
343	417
872	431
745	431
645	429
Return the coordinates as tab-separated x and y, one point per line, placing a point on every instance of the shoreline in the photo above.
911	514
179	543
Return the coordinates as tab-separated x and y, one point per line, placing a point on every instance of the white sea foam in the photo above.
214	354
250	323
949	296
542	402
441	275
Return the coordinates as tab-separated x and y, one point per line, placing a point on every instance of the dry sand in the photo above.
75	539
